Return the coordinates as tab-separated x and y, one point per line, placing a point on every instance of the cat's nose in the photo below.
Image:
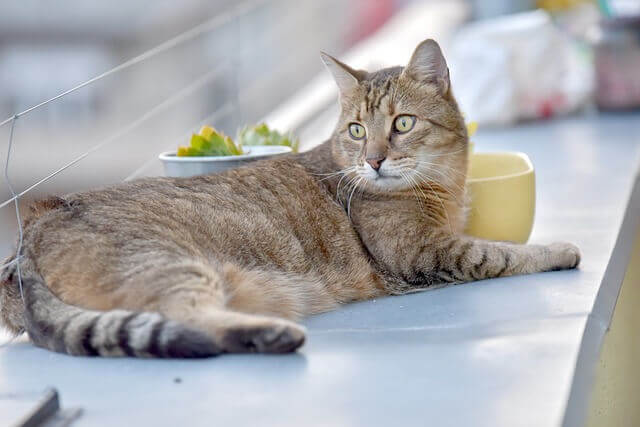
375	162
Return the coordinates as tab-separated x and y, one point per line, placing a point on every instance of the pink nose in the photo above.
376	162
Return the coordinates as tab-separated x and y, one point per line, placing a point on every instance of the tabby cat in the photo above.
195	267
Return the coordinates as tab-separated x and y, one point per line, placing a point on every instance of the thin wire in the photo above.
149	114
16	260
205	27
17	204
13	261
235	104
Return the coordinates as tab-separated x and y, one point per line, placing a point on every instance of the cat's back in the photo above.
273	213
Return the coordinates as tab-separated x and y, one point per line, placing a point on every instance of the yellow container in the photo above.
502	187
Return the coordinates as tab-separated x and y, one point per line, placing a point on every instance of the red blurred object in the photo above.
368	16
548	107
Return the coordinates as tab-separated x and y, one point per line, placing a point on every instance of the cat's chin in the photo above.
385	183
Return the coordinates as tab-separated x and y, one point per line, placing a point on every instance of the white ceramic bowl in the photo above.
191	166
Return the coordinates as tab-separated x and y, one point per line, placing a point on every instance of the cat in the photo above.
225	263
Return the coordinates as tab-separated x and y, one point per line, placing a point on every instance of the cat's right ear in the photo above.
427	65
346	77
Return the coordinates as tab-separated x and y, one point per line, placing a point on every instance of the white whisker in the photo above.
448	153
435	193
338	186
433	180
440	165
412	186
441	204
333	174
351	195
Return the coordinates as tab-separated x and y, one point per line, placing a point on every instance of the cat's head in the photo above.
400	126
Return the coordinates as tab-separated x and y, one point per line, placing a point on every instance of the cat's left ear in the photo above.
346	77
427	65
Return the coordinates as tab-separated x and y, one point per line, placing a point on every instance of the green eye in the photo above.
404	124
357	131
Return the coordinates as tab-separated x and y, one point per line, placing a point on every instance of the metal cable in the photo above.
205	27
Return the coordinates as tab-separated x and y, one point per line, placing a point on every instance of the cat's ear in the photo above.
346	77
428	65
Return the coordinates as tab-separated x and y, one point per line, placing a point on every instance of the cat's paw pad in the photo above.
565	255
270	337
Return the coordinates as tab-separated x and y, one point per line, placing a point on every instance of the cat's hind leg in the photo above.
196	294
276	293
237	332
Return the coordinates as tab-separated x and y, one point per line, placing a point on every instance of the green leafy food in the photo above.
210	142
262	135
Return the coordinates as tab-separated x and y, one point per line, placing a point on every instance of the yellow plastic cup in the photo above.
502	187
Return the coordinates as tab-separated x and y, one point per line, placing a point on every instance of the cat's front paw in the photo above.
564	255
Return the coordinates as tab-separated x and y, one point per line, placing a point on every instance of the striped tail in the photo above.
64	328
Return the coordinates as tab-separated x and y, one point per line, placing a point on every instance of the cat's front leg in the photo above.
463	259
459	259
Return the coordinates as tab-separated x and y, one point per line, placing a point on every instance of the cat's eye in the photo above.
404	123
357	131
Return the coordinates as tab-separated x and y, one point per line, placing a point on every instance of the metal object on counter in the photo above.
44	412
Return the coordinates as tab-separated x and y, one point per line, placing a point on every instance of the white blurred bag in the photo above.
517	67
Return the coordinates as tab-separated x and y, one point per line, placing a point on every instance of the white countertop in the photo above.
499	352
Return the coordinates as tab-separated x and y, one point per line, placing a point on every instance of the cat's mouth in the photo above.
386	178
385	181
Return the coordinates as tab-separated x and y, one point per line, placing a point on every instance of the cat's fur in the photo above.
193	267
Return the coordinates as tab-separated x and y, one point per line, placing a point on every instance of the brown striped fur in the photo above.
171	267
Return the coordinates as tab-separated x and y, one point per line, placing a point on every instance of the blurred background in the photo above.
228	63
